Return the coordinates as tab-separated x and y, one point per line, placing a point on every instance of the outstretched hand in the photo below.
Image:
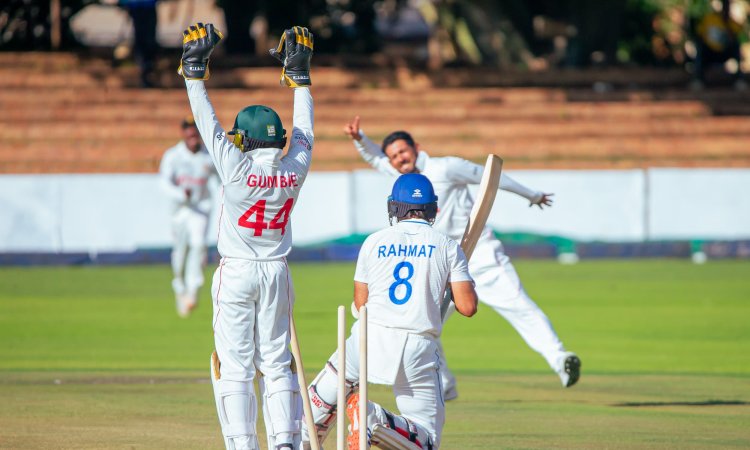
294	51
351	129
198	41
544	200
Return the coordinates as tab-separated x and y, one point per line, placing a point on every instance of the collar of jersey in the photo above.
266	155
417	221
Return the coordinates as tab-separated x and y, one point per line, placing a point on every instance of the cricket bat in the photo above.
479	214
306	406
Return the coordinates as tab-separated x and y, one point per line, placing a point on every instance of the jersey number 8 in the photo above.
401	282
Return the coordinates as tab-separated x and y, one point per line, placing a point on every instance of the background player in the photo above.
252	288
188	178
401	274
497	282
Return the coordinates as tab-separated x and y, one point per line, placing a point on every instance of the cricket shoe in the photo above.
570	371
191	301
352	413
181	303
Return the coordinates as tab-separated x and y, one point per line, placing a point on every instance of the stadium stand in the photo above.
64	113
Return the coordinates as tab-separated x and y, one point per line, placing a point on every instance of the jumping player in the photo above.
498	284
188	178
252	288
401	274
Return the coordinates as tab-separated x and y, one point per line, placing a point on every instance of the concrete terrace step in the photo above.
227	106
637	152
423	128
364	94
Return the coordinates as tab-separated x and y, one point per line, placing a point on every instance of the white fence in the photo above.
125	212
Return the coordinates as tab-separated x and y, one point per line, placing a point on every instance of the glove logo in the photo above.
219	136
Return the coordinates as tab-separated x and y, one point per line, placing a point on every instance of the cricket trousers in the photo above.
416	386
498	286
251	305
189	251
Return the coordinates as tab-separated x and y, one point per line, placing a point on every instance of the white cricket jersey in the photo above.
183	172
406	268
261	187
450	177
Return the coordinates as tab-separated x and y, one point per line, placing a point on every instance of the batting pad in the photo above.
388	439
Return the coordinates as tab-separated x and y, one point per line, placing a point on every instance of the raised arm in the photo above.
225	155
303	138
462	171
368	150
197	44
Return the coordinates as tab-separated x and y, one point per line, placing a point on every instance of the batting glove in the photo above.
198	41
294	51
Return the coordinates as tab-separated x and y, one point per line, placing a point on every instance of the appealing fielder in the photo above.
188	178
252	288
497	282
401	274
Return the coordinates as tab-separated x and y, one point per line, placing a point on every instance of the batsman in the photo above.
401	273
252	287
497	282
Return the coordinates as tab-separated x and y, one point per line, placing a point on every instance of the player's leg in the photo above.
499	286
232	369
196	257
447	379
323	389
418	391
282	404
385	429
179	251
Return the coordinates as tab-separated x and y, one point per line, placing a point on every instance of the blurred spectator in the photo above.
717	40
238	15
145	47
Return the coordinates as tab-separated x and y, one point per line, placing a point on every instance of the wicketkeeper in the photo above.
252	288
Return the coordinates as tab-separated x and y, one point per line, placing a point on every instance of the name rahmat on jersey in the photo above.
417	250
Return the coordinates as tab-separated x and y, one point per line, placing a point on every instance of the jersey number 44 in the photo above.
257	213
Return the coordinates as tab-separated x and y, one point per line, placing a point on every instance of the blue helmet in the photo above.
412	192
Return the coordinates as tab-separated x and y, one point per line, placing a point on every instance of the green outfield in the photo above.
96	358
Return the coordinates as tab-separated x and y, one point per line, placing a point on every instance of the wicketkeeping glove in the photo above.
294	51
198	41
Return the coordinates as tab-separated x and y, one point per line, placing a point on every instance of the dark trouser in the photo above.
145	45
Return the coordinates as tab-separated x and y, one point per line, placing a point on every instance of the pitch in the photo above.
97	358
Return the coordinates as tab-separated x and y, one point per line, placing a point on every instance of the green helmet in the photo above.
258	126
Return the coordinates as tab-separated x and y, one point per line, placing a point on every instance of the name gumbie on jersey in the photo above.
450	177
188	179
406	268
261	187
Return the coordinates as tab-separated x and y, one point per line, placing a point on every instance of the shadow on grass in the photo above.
702	403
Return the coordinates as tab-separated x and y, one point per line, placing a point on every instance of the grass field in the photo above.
96	358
